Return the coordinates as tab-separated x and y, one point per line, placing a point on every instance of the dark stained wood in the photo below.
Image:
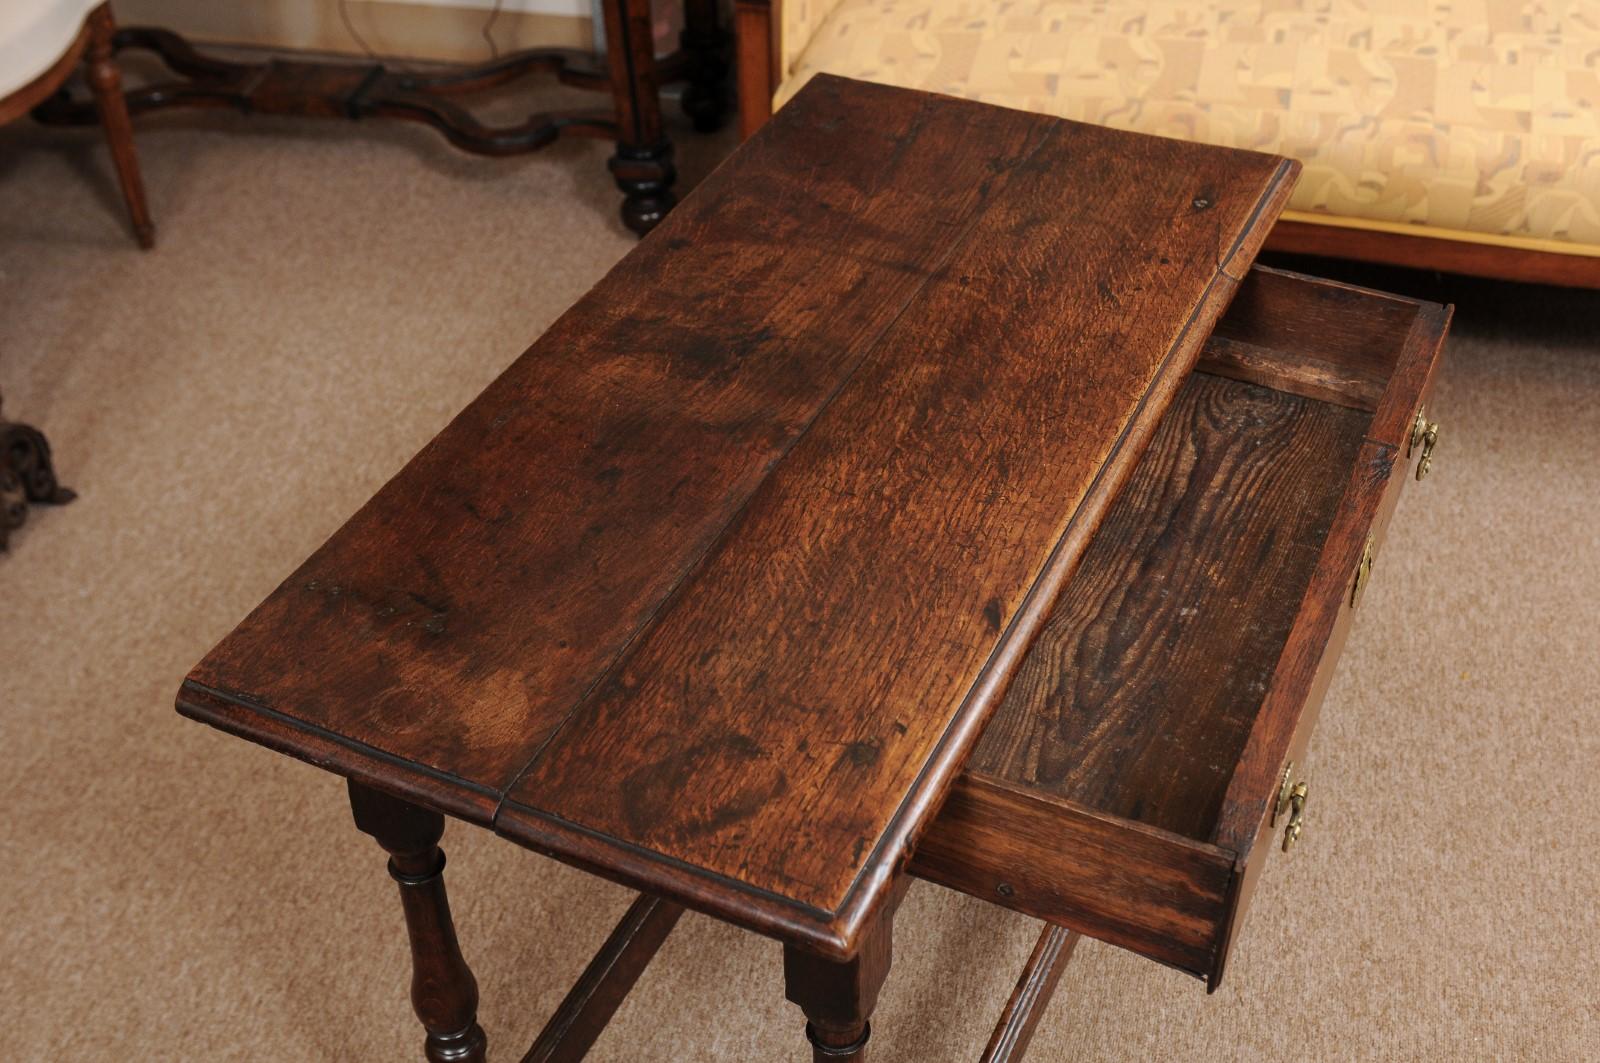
323	89
1305	375
1423	251
653	421
1147	890
1304	667
756	48
787	725
1411	384
605	983
837	996
733	564
1357	330
443	991
1139	693
1035	986
1241	582
705	43
642	166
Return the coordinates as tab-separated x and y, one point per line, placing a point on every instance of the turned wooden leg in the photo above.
642	166
838	996
106	82
443	991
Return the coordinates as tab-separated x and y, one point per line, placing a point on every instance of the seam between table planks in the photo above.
698	563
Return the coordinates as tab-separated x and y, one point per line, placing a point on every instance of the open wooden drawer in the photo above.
1145	760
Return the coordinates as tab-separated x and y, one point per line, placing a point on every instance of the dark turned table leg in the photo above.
443	990
642	165
838	996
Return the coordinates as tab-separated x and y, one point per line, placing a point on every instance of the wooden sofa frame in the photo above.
757	25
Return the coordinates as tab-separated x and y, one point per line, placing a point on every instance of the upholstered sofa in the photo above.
1460	137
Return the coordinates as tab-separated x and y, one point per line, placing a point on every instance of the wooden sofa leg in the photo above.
756	36
106	82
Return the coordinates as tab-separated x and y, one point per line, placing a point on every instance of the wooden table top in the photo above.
712	590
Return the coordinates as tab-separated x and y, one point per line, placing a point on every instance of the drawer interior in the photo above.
1120	787
1140	693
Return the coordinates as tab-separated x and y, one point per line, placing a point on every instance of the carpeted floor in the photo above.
323	298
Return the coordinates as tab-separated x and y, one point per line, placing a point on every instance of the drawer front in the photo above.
1142	848
1146	890
1252	824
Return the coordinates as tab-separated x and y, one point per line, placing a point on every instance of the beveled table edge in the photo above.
282	733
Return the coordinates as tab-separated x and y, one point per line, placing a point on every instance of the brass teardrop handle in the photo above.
1297	810
1291	800
1424	434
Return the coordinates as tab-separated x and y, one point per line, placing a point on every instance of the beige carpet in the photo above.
323	298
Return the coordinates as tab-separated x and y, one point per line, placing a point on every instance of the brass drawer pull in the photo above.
1297	809
1424	434
1291	800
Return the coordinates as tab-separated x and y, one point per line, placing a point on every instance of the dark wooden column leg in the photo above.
106	82
443	990
642	165
705	42
838	996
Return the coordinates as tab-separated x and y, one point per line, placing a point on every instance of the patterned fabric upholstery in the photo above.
801	19
1480	116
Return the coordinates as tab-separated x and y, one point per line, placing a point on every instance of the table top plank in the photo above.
451	624
771	728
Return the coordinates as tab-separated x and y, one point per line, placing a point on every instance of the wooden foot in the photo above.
443	990
642	166
106	83
645	175
583	1015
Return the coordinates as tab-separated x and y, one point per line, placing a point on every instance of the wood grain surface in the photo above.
713	590
1147	890
1243	590
458	617
1138	696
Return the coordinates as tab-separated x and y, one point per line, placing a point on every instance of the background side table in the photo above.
642	165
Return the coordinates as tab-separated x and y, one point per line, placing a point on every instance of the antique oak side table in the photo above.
862	523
